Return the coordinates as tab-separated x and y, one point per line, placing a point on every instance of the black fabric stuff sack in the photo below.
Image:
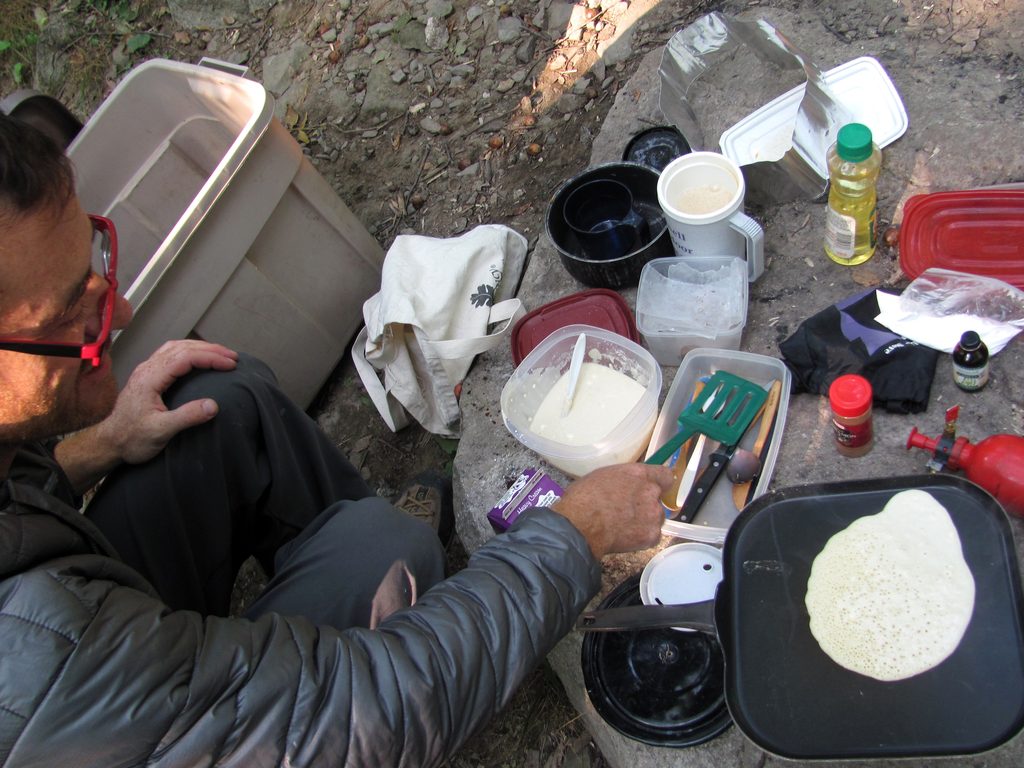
846	338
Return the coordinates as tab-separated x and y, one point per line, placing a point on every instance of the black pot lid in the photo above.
659	686
656	147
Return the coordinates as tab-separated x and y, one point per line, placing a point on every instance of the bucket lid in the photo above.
980	231
599	307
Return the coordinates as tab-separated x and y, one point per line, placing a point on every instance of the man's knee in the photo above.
250	379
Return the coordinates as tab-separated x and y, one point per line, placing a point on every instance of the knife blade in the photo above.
699	616
671	499
689	475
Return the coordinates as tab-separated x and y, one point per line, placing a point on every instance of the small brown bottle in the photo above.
970	362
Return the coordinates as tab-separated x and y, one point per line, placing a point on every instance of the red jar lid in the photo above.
850	395
599	307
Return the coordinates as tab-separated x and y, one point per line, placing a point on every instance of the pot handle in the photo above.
698	616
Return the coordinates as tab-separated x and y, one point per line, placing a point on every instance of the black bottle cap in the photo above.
970	340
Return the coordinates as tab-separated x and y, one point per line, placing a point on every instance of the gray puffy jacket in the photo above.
96	671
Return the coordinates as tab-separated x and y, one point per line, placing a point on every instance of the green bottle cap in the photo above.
854	142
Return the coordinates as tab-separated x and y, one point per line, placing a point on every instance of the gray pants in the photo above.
261	479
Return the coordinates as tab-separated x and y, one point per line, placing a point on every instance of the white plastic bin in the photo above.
226	231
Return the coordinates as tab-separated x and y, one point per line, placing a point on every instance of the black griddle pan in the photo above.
791	699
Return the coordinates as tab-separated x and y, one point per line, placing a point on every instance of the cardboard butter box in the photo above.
532	488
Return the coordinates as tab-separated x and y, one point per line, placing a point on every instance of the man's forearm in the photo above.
86	457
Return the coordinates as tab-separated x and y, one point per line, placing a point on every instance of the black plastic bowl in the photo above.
624	271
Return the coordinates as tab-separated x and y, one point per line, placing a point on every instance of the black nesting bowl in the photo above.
659	686
623	271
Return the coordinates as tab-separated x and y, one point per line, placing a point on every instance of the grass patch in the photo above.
20	24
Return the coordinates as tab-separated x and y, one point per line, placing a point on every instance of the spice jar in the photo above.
850	398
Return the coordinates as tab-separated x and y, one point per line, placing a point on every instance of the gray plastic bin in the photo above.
226	231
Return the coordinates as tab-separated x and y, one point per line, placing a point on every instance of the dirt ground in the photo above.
475	119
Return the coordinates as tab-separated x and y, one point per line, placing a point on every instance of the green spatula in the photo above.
723	410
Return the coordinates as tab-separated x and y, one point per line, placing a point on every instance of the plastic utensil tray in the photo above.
712	521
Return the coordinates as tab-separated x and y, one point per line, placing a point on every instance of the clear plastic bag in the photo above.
940	304
945	292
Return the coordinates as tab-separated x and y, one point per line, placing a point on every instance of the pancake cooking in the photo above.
890	596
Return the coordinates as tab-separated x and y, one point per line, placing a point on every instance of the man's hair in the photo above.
34	172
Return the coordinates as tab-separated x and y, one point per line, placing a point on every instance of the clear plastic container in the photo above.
544	366
669	339
712	521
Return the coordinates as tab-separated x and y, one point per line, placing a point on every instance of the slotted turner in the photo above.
723	410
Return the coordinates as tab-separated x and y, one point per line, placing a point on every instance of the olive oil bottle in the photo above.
852	217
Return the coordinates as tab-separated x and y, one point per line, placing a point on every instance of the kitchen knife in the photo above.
672	499
702	488
741	491
689	475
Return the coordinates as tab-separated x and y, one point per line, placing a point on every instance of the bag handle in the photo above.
506	312
388	407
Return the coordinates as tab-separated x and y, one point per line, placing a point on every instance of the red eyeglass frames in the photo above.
105	259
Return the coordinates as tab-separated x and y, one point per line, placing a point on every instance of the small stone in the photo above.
330	35
509	29
504	86
398	76
435	34
430	125
473	13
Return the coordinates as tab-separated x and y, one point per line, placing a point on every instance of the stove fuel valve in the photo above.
996	463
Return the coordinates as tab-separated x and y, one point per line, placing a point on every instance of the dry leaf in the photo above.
291	117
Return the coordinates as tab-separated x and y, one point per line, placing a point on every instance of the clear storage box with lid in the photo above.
693	301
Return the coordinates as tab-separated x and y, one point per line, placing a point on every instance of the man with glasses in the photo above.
117	647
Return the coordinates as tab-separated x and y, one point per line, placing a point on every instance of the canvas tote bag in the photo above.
437	301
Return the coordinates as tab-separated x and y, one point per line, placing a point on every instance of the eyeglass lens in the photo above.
101	251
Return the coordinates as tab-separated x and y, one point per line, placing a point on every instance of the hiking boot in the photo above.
429	498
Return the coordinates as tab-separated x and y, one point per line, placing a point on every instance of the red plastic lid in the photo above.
599	307
850	395
979	231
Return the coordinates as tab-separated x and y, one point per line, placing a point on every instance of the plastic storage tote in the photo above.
226	231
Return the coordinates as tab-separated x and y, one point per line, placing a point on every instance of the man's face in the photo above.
48	292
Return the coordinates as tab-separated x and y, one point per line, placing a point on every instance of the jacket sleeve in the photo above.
146	685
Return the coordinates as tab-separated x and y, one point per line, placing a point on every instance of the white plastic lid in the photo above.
681	574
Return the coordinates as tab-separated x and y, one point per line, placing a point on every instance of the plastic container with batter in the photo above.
530	383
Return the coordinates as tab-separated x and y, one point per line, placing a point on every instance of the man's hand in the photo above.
618	508
140	425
